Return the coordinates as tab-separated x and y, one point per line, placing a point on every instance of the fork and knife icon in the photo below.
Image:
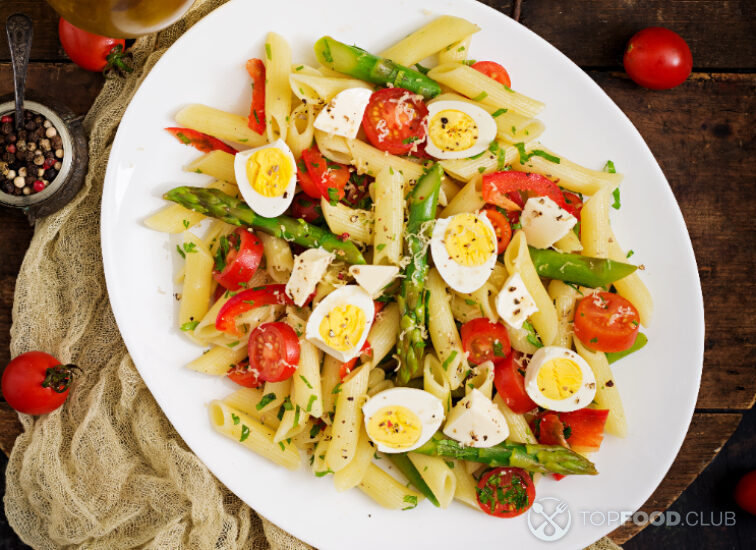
559	531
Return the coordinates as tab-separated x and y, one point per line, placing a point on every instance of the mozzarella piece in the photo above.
514	304
545	222
476	422
374	278
343	114
309	268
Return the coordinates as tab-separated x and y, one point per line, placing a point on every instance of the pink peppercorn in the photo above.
6	119
48	164
39	185
10	148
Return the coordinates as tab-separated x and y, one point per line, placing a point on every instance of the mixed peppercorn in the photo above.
30	158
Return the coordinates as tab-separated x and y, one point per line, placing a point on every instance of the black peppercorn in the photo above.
6	128
50	174
30	125
10	138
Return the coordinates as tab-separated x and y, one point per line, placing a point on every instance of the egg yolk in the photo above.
468	240
559	378
453	130
342	327
269	172
395	426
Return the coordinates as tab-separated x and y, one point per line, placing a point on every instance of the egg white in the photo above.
426	406
268	207
486	129
579	400
346	295
459	277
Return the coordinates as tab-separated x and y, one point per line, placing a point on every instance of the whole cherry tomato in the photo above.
92	51
658	58
36	383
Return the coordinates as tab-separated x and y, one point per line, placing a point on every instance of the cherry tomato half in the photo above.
306	208
510	384
394	120
365	353
505	492
274	351
745	492
501	226
240	261
493	70
327	176
244	375
484	340
36	383
92	52
606	322
574	204
657	58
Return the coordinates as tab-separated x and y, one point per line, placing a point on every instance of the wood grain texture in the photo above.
594	33
67	83
46	46
706	436
10	427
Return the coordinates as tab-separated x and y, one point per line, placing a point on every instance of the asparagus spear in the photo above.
422	204
581	270
217	204
534	458
640	341
360	64
404	465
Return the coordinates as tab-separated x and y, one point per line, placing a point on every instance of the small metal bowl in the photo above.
74	163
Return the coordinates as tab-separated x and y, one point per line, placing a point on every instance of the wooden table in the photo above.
700	133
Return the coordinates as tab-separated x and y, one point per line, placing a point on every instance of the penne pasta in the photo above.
277	92
430	39
389	217
220	124
348	418
437	475
607	392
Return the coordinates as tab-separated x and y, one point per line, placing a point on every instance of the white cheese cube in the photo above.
545	222
309	268
343	114
514	304
476	422
374	278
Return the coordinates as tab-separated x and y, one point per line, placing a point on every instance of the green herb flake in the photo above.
280	444
312	400
630	253
609	167
449	359
235	418
480	97
307	383
450	464
181	252
411	500
498	349
265	400
299	68
244	432
421	69
470	302
481	169
532	336
336	389
189	326
315	430
333	196
325	473
380	247
567	432
616	194
268	52
498	112
186	224
296	417
233	344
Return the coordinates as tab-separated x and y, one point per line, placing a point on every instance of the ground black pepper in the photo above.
32	157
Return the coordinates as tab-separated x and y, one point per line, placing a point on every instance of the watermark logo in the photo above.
549	519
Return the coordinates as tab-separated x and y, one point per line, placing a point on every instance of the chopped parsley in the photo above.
567	432
233	344
312	400
470	302
265	400
410	139
532	336
333	196
469	62
421	69
501	156
498	349
287	404
307	383
498	112
450	464
411	500
221	253
480	97
609	167
616	194
234	418
525	156
296	417
315	430
189	326
380	247
481	169
244	432
336	389
325	473
268	52
299	68
630	253
449	359
186	224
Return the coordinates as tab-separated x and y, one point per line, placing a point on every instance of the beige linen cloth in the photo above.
107	470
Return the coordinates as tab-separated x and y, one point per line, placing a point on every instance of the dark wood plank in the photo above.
67	83
593	33
46	46
703	137
10	427
707	434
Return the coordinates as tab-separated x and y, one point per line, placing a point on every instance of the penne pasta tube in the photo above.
389	217
607	392
429	39
387	491
220	124
348	418
437	475
277	91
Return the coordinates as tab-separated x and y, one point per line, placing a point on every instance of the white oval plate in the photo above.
659	385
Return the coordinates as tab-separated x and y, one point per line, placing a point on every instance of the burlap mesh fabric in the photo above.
107	470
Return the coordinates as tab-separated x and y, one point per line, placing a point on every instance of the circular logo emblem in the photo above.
549	519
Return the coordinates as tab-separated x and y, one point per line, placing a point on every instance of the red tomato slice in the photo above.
584	428
394	120
256	70
493	70
574	204
658	58
510	384
330	178
484	340
201	142
305	181
366	353
605	321
505	492
267	295
497	186
244	375
306	208
241	260
274	351
501	226
549	429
